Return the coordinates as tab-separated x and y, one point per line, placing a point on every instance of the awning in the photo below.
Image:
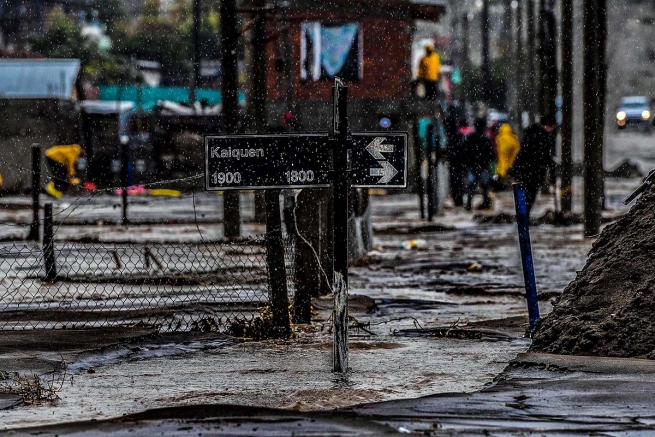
38	78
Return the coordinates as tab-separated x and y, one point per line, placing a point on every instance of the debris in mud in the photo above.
456	333
365	261
607	309
258	328
408	229
35	389
502	218
550	217
626	170
474	268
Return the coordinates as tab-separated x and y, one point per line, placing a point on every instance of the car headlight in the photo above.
645	115
621	116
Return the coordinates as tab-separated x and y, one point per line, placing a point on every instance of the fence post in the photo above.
49	245
231	214
308	276
36	191
431	187
420	187
523	223
277	275
125	159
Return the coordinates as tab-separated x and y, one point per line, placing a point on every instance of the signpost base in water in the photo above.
340	319
339	160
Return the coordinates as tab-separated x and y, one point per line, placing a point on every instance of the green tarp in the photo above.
151	95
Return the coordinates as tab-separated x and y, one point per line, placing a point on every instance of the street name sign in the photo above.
379	160
242	162
289	161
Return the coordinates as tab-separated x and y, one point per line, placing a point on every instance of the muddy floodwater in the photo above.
445	317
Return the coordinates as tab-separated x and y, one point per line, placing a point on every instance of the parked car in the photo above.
634	111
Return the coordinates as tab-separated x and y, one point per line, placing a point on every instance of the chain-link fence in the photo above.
203	286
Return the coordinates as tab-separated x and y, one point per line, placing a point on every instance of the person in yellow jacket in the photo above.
429	71
61	161
507	148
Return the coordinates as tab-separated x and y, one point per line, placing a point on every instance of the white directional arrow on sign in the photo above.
376	148
387	172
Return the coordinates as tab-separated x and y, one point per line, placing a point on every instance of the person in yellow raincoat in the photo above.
429	72
61	161
507	148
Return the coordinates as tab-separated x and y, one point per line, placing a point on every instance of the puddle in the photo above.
142	352
270	374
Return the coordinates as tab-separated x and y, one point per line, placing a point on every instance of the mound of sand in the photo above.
609	309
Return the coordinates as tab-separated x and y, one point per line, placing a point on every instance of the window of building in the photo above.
328	50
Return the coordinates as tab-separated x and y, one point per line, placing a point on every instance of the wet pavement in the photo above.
425	322
439	323
537	394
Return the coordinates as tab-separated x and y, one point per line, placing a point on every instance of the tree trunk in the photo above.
593	151
229	48
567	106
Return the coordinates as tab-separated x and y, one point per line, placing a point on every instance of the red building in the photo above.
368	43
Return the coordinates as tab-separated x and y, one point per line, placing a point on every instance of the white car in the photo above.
634	111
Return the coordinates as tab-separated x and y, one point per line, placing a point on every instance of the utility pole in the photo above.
531	56
520	66
229	45
288	55
601	28
548	58
593	148
258	97
566	173
466	64
508	57
196	51
541	57
486	66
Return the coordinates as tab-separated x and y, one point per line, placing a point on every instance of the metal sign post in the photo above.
341	143
313	160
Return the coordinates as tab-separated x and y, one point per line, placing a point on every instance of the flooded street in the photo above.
210	220
446	317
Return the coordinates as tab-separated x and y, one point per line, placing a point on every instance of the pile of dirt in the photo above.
608	309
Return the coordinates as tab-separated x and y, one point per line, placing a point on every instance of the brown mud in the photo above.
608	309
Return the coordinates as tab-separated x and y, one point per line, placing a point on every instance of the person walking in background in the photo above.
457	168
479	155
535	158
429	72
61	161
507	148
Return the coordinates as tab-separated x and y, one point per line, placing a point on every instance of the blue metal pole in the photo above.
523	223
